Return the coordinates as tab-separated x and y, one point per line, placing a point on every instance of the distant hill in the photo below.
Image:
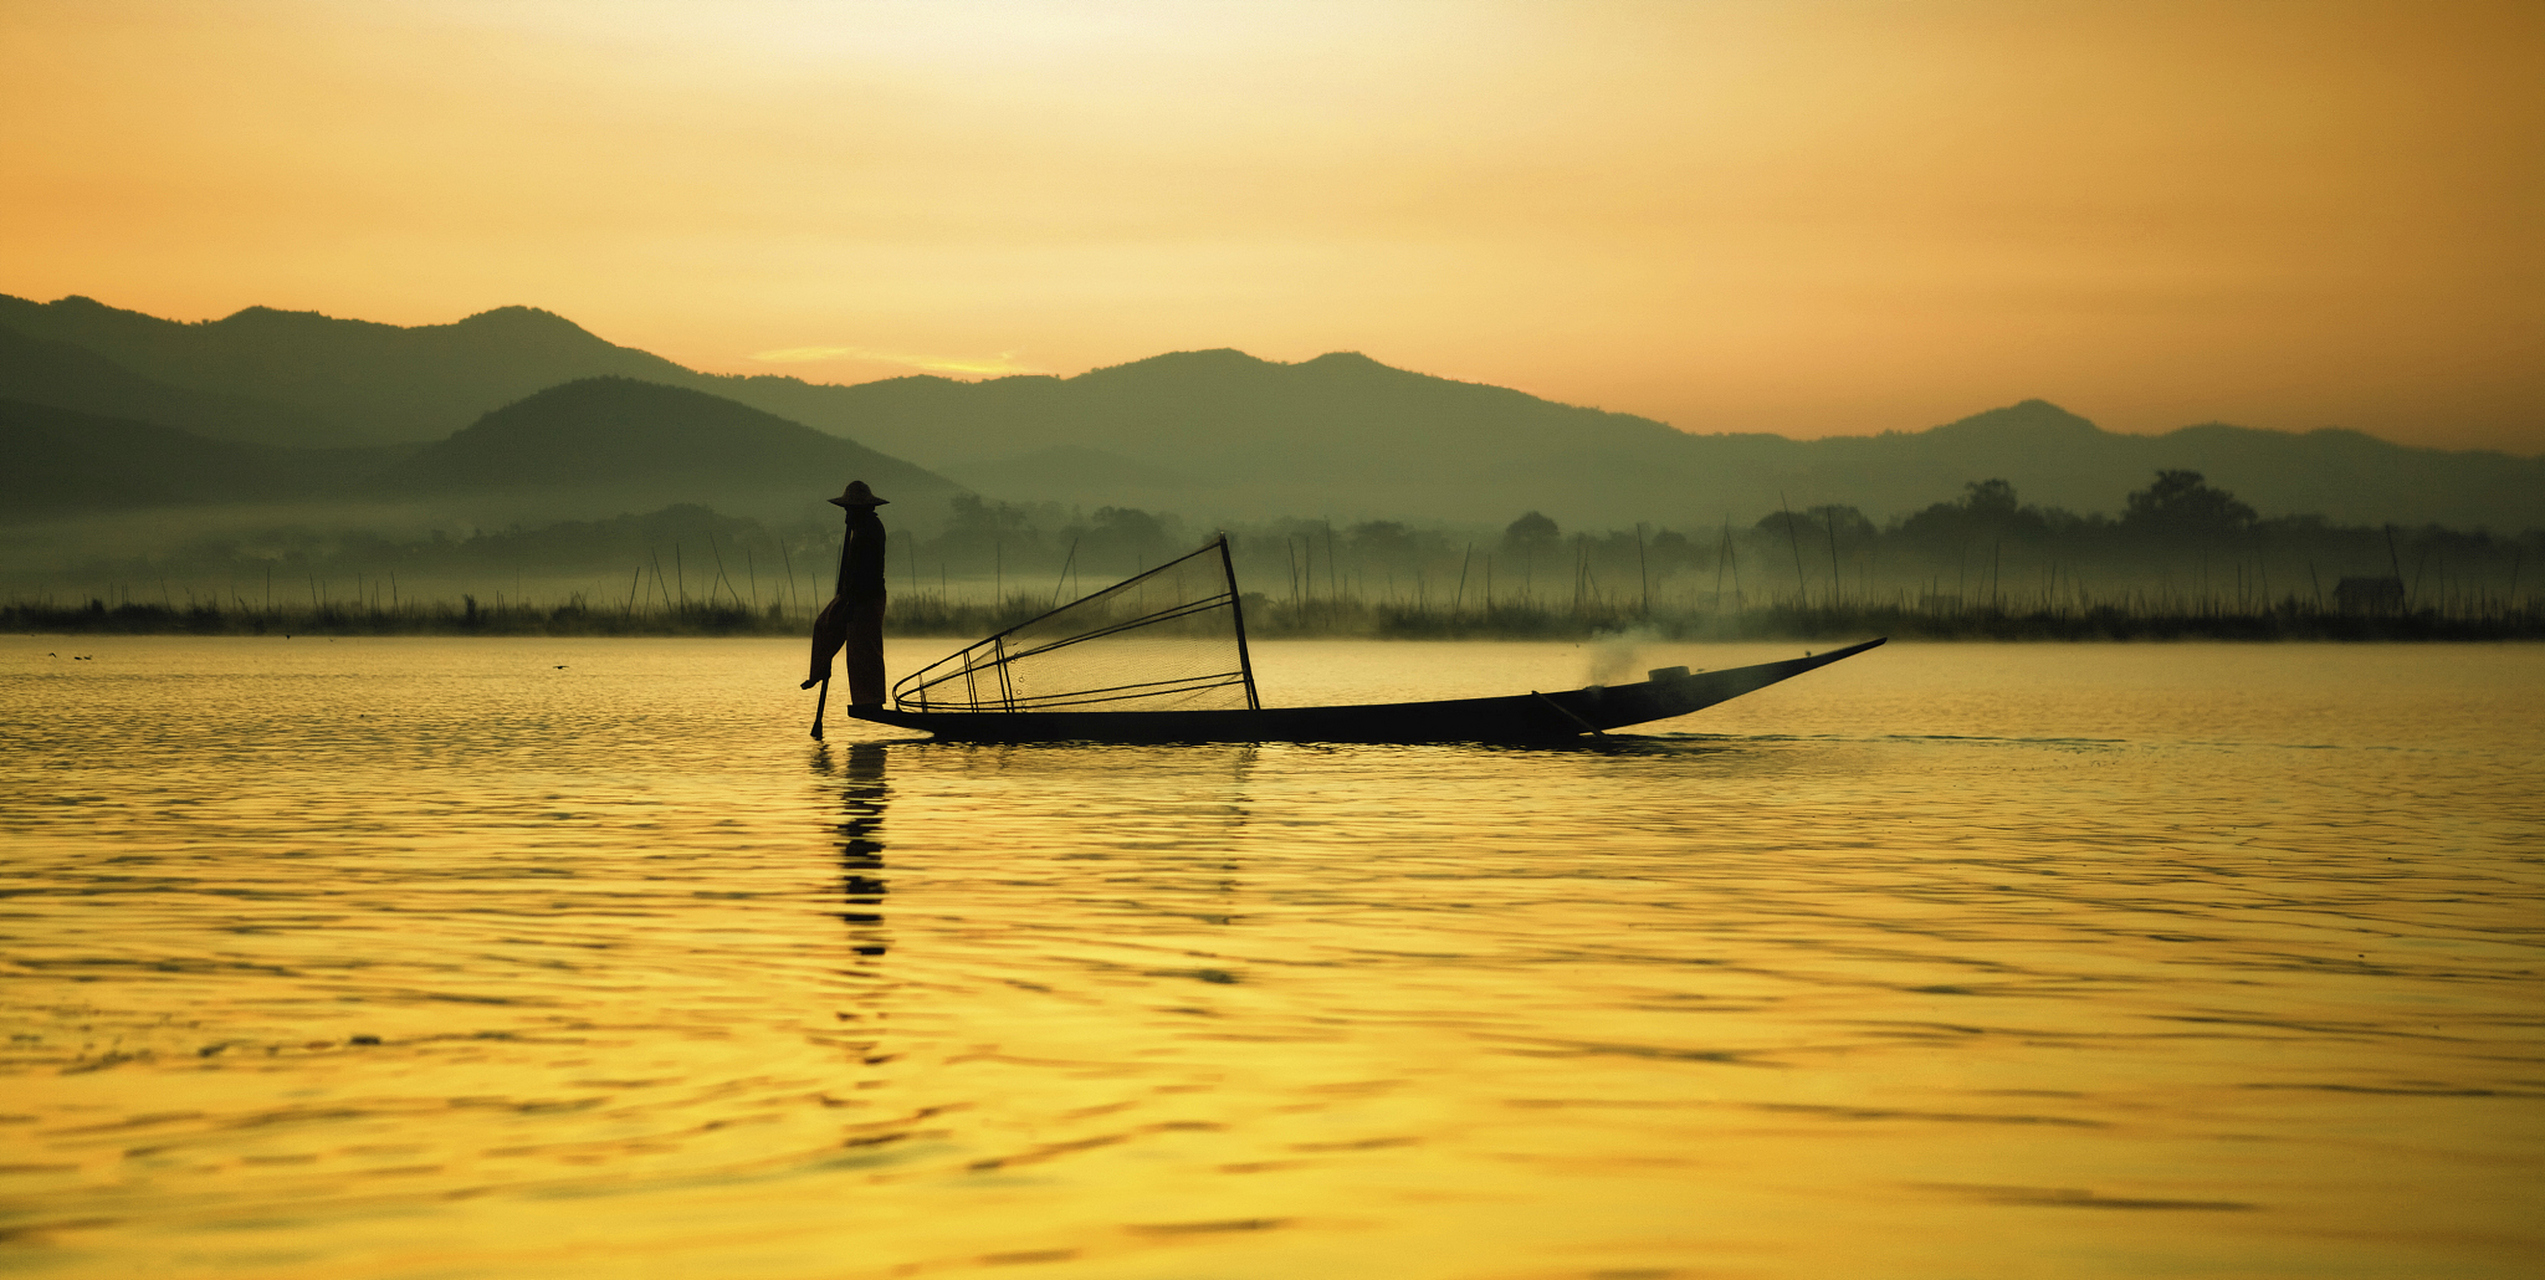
73	377
372	383
2057	458
64	462
608	445
1340	434
1072	468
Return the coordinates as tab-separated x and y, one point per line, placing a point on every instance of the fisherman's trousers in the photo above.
863	654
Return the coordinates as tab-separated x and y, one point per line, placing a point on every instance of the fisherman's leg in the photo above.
830	631
865	654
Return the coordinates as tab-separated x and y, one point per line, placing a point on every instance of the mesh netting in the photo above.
1168	640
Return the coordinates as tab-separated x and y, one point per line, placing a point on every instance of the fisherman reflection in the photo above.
861	847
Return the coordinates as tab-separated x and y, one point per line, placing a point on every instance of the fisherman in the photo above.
855	616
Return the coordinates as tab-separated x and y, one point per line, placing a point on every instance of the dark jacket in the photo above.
861	566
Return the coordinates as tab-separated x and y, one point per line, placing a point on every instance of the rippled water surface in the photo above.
527	958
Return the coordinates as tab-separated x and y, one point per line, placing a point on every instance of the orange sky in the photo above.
1803	218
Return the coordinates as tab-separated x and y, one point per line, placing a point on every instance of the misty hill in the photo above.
1223	433
367	383
72	377
1200	411
62	462
1070	468
609	445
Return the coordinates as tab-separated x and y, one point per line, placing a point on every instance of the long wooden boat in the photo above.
1527	717
1161	657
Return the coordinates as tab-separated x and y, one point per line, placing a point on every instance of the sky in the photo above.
1802	218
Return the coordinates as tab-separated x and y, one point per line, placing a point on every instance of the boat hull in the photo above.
1528	717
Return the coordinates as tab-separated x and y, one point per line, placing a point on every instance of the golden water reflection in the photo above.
435	959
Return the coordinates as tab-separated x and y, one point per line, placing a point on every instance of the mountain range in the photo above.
322	382
1343	435
522	411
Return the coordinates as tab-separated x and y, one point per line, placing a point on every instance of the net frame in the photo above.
980	676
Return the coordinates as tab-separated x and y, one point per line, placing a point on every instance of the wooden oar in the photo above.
820	701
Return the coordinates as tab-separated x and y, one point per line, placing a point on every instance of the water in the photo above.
424	958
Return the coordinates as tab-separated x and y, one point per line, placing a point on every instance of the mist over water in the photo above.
418	957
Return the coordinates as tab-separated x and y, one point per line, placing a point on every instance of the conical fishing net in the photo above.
1168	640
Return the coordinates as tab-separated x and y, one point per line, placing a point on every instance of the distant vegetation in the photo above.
2185	558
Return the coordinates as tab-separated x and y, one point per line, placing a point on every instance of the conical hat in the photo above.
857	495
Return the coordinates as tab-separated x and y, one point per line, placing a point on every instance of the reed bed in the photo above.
926	613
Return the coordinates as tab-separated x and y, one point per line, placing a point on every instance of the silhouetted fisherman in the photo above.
854	619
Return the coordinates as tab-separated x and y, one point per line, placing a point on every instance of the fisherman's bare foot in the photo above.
808	684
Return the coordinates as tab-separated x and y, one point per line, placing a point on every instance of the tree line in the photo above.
2180	546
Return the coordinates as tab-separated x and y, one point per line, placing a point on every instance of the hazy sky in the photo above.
1806	218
